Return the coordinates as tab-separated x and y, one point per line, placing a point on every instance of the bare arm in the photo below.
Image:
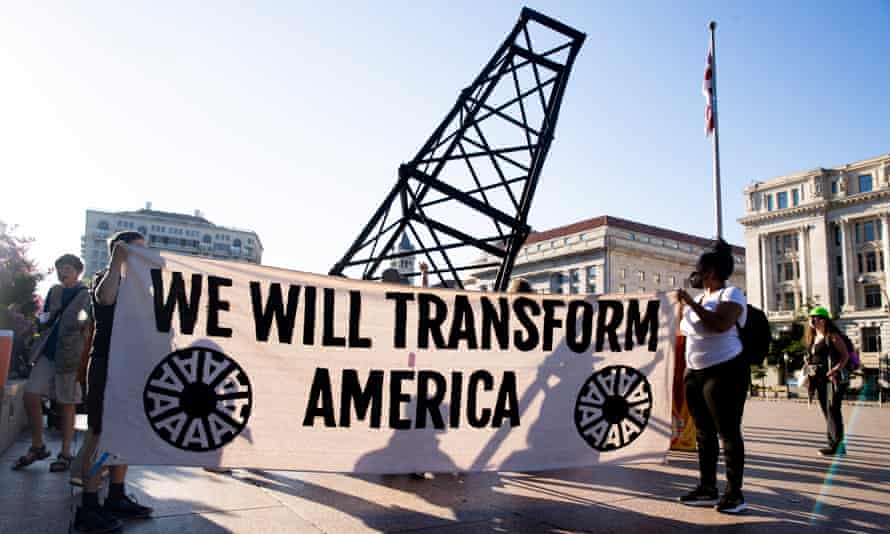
721	319
106	292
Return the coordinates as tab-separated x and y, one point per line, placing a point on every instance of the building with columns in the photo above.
176	232
607	255
821	237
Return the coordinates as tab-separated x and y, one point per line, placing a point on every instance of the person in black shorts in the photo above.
90	517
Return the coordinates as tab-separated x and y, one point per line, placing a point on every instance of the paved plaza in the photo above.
789	488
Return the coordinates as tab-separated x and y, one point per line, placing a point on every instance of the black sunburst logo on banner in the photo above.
197	399
613	407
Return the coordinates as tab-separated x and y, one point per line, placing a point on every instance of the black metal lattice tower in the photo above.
464	198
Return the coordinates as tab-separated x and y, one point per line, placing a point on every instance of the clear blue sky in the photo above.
290	118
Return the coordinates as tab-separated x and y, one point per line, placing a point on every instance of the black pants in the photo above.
830	396
96	378
716	399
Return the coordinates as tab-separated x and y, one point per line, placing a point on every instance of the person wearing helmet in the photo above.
826	361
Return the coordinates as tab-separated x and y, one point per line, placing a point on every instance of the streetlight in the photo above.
861	279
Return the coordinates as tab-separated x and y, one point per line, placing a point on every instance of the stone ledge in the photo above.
12	413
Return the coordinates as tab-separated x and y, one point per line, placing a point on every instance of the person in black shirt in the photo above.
826	361
90	517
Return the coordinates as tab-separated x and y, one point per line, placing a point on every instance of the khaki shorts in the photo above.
62	388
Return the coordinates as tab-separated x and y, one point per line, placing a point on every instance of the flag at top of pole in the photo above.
709	89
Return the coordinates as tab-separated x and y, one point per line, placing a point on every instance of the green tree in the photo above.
19	277
790	340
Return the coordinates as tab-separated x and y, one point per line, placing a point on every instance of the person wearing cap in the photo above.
826	362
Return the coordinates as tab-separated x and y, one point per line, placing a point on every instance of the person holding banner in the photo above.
90	517
717	376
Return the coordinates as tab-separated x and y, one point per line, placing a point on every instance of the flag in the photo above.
707	89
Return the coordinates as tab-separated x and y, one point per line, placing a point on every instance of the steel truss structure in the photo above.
464	199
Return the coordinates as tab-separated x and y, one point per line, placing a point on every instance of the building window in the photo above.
657	278
622	289
840	297
622	273
839	265
642	289
769	203
859	263
864	183
591	278
642	276
672	281
789	301
556	283
782	199
574	281
837	234
871	339
872	296
868	231
871	262
795	197
834	186
786	243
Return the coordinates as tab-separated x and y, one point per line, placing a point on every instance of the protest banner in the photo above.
222	363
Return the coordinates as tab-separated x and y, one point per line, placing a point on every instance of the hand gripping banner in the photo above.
216	363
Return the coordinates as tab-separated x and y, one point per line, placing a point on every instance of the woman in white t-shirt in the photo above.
717	377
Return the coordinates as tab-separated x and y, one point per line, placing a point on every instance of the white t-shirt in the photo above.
706	348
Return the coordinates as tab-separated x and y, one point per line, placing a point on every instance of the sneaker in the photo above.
731	503
126	508
95	520
828	451
700	496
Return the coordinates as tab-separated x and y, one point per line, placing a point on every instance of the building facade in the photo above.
821	237
176	232
607	255
404	264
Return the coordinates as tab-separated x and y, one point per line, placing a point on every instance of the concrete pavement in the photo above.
789	487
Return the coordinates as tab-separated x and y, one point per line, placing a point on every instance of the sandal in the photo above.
34	454
61	463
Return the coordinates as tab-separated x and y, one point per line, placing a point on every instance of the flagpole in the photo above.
718	209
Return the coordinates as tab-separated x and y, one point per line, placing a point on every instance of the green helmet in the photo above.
820	311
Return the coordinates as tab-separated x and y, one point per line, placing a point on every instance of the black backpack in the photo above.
756	336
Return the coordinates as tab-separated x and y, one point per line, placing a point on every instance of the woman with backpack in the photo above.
717	376
827	358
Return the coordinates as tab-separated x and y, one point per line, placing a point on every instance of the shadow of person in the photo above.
551	400
414	450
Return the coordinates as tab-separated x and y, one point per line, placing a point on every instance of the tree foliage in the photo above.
19	277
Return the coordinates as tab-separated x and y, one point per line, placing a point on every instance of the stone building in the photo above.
607	255
176	232
821	237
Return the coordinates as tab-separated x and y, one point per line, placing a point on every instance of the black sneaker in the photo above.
731	503
829	452
126	508
700	496
95	520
